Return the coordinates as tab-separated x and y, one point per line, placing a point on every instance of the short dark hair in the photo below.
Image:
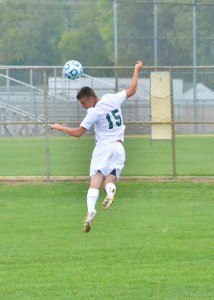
86	92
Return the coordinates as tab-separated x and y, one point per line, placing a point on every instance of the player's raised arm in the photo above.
75	132
133	86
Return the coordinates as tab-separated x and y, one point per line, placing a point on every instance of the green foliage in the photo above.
86	39
105	24
155	242
135	31
30	34
178	35
52	32
204	29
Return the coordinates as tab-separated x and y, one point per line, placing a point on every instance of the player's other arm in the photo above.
75	132
133	86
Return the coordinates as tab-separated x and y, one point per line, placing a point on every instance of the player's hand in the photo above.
56	126
138	65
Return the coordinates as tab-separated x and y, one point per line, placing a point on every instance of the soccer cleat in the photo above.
88	220
109	198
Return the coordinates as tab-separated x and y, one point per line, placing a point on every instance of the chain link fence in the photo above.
31	98
167	32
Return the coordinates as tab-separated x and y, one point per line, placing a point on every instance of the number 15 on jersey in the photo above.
115	115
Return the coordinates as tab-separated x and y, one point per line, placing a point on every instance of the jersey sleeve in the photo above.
89	119
120	97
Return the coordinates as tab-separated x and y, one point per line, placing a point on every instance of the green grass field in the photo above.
155	242
71	157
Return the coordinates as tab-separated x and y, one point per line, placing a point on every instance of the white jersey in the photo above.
107	118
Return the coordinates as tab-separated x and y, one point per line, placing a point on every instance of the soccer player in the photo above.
108	155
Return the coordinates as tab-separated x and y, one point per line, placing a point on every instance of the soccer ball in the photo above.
72	69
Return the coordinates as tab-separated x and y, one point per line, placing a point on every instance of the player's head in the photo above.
86	92
87	97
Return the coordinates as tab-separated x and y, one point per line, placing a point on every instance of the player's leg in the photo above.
110	189
93	191
116	163
92	196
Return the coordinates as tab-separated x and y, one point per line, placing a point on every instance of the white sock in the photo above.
110	186
92	197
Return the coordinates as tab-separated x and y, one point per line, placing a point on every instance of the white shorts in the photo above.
106	157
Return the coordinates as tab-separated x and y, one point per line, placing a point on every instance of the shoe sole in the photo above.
86	227
108	204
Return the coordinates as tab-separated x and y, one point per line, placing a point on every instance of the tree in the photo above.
53	31
30	34
85	40
135	33
175	35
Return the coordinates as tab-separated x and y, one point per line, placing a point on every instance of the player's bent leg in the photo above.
110	196
88	220
110	189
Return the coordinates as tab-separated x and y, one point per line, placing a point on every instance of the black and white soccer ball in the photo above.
72	69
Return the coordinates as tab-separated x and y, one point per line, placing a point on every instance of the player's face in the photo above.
87	102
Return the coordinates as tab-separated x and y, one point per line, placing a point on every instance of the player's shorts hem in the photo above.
117	173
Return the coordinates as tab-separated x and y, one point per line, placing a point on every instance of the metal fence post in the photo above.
115	46
47	152
173	129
